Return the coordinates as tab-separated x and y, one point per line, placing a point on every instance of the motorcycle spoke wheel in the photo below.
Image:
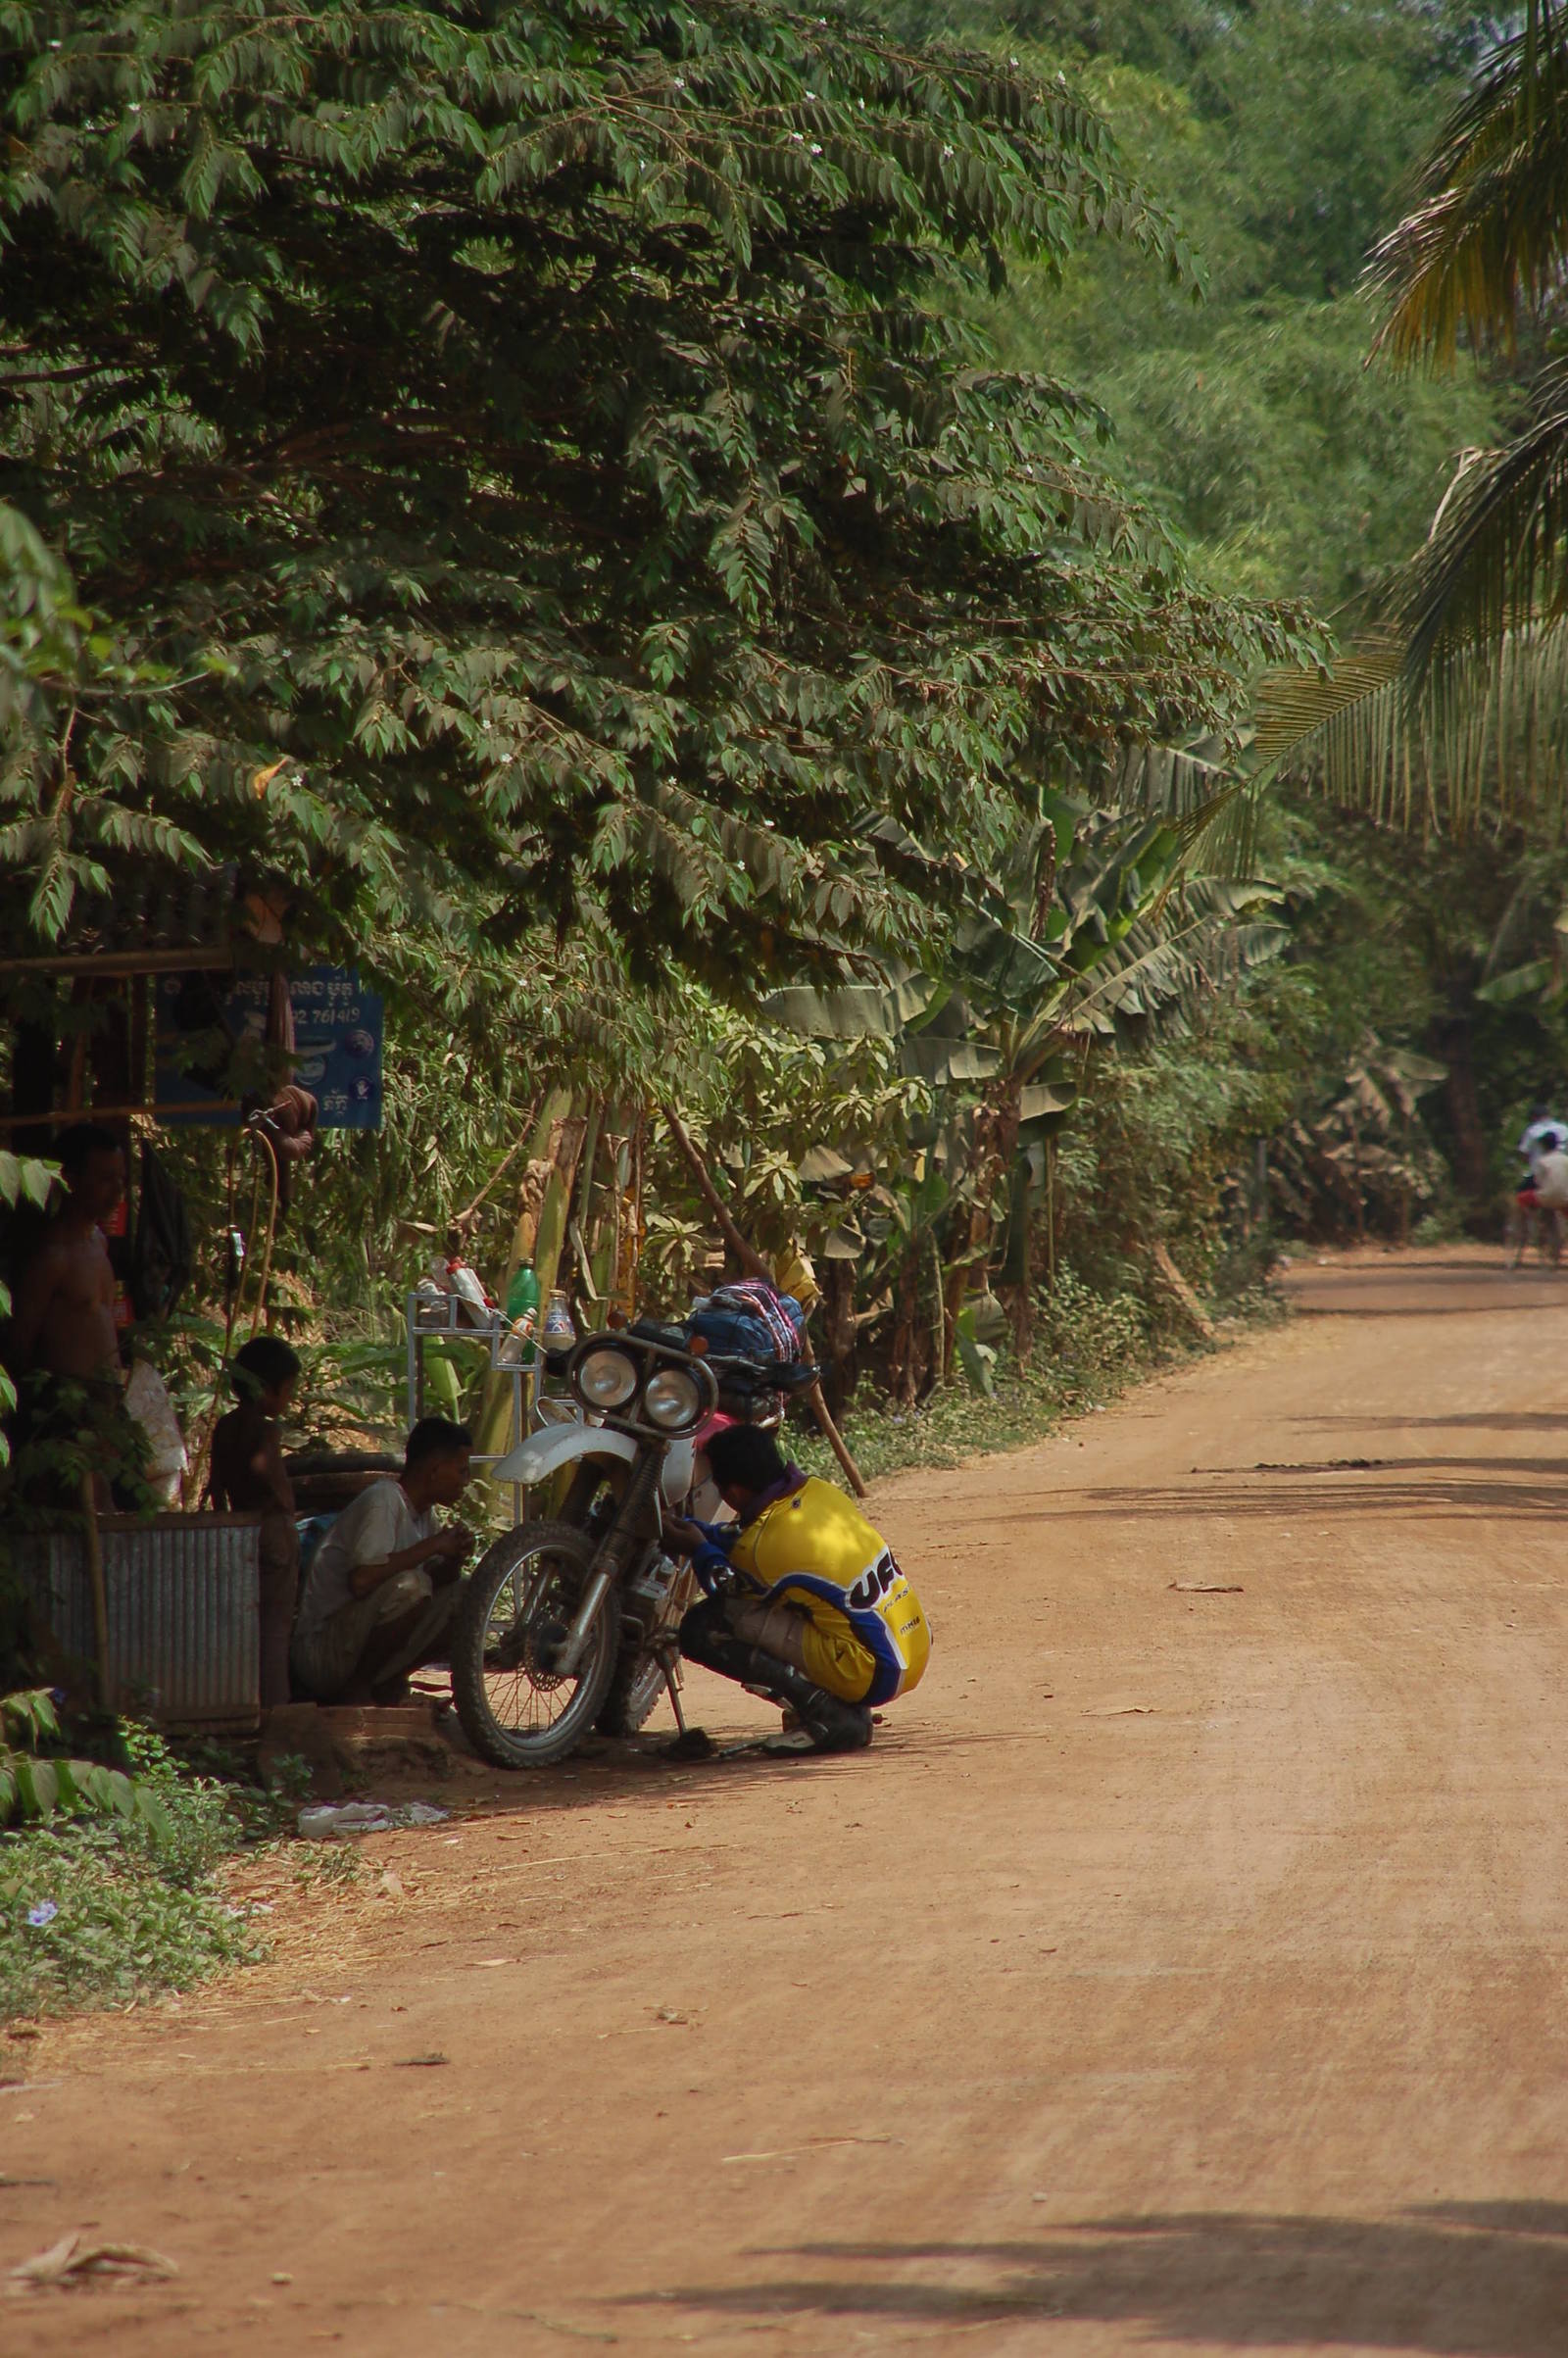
516	1708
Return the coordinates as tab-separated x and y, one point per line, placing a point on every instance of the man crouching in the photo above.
380	1594
806	1604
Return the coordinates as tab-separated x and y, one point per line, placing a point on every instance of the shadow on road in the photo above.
1518	1421
1510	1499
1456	2279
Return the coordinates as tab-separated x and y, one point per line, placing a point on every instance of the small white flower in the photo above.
799	135
815	150
947	151
679	84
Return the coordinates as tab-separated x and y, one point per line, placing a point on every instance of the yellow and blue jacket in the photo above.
811	1547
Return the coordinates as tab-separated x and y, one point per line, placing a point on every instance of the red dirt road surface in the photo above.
1182	1970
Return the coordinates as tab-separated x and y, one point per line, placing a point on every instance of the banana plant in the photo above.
1093	925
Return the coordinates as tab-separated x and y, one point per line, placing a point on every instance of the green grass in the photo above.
134	1913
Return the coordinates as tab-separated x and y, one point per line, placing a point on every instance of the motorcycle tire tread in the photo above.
623	1714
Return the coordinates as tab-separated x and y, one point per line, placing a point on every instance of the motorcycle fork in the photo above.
608	1564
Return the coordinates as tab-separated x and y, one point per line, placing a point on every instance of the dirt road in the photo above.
1183	1968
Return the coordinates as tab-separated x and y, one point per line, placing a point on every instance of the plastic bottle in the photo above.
522	1316
523	1294
464	1283
559	1332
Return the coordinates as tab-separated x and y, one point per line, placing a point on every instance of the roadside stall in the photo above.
153	1017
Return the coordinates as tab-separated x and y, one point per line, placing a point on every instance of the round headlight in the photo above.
672	1399
605	1378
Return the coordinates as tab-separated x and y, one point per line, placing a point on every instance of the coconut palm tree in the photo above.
1454	701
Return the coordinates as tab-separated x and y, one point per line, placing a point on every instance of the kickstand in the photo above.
668	1661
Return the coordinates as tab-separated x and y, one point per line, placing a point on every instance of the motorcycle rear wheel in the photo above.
635	1688
514	1710
639	1679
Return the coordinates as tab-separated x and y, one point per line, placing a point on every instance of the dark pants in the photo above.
708	1636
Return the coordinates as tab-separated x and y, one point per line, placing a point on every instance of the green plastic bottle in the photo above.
522	1303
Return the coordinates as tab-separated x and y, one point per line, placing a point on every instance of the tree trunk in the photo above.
839	1334
904	1367
991	1154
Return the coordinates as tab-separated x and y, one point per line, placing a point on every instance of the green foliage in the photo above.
106	1909
1254	416
531	469
124	1928
37	1779
23	1179
72	1428
1460	688
1090	1347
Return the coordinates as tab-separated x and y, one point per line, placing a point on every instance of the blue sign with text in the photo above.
337	1043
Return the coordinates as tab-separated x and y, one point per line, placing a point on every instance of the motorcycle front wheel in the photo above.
516	1606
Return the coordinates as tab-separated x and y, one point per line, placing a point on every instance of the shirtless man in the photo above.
64	1321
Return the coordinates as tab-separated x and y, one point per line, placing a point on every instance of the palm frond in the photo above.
1497	556
1483	732
1488	232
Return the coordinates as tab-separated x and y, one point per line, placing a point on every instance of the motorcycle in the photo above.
571	1624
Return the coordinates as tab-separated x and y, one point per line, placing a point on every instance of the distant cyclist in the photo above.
1541	1198
1543	1134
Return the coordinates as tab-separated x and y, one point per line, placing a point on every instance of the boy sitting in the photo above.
381	1592
806	1602
248	1478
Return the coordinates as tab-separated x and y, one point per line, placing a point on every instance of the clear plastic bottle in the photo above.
559	1332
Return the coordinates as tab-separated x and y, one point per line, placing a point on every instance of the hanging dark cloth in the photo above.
160	1255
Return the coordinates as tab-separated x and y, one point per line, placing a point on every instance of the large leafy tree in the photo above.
522	466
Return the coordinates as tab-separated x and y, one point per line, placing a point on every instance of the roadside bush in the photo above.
1088	1349
107	1911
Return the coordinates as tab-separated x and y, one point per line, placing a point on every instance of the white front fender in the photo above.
676	1480
546	1452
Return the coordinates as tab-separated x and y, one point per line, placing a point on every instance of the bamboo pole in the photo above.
753	1264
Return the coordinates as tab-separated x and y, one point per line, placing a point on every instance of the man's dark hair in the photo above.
743	1458
434	1437
266	1361
81	1140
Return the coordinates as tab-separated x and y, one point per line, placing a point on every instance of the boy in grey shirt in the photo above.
382	1589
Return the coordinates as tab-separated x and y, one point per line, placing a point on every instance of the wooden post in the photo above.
100	1595
753	1264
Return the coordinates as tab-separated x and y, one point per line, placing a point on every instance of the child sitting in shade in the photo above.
248	1478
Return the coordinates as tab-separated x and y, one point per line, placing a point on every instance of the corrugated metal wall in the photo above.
184	1632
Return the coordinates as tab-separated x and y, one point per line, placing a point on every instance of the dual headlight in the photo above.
608	1378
